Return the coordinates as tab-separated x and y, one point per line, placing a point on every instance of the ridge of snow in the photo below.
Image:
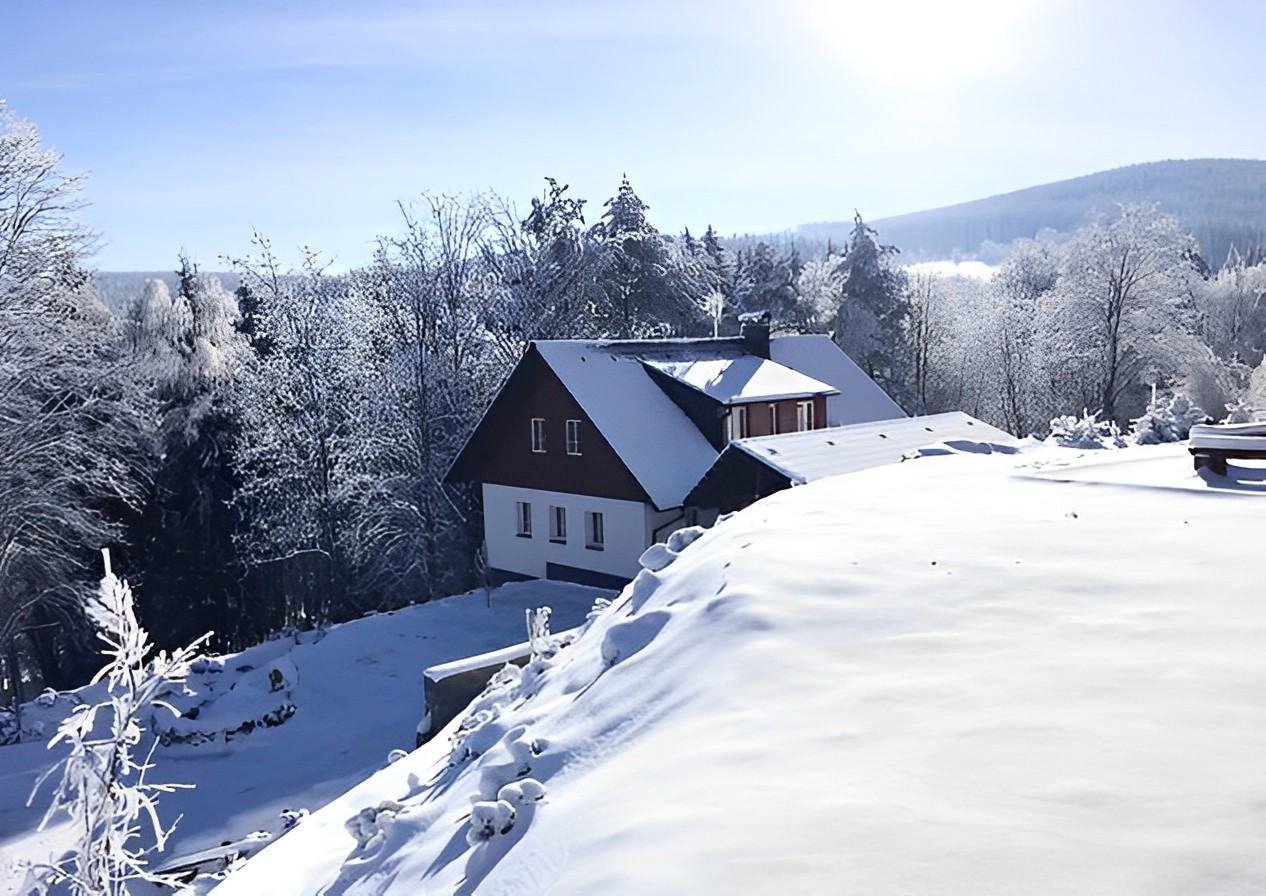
957	677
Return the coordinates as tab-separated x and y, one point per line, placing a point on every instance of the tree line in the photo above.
273	456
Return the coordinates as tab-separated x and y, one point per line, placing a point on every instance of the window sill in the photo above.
558	541
575	454
594	547
522	535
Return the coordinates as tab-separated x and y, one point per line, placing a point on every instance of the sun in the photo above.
914	41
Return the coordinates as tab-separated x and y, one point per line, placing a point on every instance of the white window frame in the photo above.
558	525
573	438
773	418
738	422
523	519
538	435
595	531
804	416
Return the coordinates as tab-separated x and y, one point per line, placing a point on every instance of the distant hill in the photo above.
1221	202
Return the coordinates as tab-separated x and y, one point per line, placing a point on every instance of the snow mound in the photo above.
996	682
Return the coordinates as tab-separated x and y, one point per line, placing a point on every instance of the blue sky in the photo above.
199	122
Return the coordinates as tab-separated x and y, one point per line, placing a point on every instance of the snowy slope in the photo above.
961	674
357	695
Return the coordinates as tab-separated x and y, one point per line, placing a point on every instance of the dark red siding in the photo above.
758	415
500	452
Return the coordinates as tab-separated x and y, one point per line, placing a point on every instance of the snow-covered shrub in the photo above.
1167	420
522	793
488	819
371	821
1086	431
1239	411
104	786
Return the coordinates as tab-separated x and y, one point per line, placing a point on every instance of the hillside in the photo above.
1220	201
356	695
961	674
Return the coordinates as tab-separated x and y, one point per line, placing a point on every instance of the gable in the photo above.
657	442
500	450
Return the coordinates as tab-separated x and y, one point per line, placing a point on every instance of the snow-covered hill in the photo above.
960	674
347	700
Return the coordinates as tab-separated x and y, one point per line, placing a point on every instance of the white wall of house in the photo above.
627	529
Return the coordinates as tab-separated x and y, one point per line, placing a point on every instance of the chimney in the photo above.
754	330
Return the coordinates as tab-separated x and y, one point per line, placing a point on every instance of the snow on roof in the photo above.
663	450
860	398
806	456
741	379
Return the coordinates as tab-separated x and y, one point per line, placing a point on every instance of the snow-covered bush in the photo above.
104	786
1167	420
371	821
1086	431
1240	411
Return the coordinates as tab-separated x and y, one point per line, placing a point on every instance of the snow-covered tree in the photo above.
542	270
184	536
874	310
1028	274
1122	314
103	785
299	433
1233	311
429	367
1167	419
820	286
74	411
649	285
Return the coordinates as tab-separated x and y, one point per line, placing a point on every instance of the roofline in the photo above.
891	420
461	453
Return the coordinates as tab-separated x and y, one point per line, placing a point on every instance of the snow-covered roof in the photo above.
742	379
859	398
815	454
663	450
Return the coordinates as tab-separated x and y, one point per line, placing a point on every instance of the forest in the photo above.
271	458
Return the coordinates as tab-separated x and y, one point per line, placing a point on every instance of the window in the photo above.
595	538
804	415
773	419
573	437
738	423
538	435
523	519
558	525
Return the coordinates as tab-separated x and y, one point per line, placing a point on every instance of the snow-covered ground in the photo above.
958	674
356	695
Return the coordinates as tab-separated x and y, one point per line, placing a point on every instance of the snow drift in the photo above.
951	675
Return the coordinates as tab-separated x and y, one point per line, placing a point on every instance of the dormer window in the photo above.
538	435
573	437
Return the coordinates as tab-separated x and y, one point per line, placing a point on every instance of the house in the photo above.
749	469
587	453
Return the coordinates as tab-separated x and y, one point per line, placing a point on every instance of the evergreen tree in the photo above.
650	286
185	532
874	308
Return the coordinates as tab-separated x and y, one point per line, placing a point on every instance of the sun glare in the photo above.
915	41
